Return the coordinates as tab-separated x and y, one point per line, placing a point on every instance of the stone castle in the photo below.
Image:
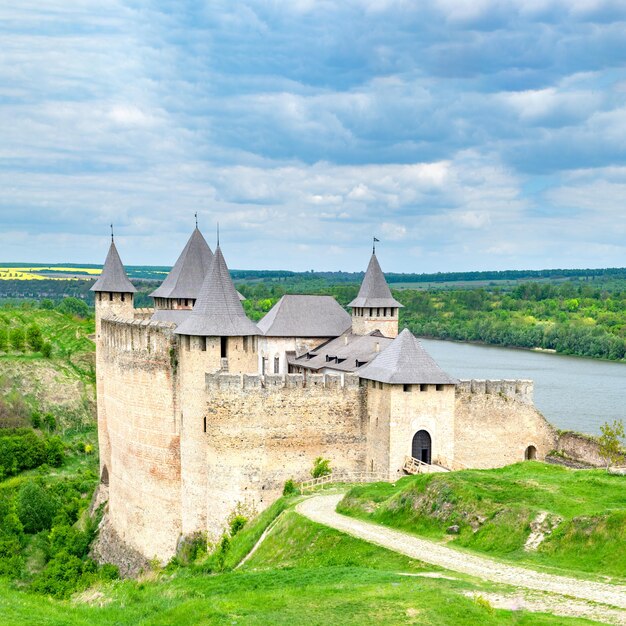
201	410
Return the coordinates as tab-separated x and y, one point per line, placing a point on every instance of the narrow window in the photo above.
205	424
373	384
224	347
406	388
122	297
203	347
423	387
110	297
380	385
276	365
187	342
377	312
439	387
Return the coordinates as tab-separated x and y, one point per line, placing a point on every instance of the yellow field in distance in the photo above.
30	273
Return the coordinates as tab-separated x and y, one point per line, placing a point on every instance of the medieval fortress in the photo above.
201	410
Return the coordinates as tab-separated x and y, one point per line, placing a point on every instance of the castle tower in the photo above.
375	308
114	296
215	336
411	404
180	289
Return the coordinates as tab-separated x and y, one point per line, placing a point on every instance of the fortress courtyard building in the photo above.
201	411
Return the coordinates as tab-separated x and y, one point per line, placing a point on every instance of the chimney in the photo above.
377	347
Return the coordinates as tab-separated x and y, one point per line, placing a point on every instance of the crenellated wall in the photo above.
137	374
262	431
496	422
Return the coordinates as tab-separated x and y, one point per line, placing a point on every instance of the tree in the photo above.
321	467
611	442
35	507
4	340
34	338
74	306
17	339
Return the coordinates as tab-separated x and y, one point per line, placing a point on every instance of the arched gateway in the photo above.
421	448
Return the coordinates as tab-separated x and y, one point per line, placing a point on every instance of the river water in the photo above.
573	393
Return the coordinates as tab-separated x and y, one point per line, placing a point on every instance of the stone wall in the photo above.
272	347
496	422
137	386
261	431
363	325
580	447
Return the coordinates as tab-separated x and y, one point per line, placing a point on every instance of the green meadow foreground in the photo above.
302	572
310	573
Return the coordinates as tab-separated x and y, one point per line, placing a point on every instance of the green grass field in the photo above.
494	510
303	573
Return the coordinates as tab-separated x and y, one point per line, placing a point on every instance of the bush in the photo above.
236	523
290	488
74	306
50	422
4	340
35	507
321	467
17	339
34	338
35	419
55	452
46	350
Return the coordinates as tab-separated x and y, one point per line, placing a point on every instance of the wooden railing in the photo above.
415	466
342	477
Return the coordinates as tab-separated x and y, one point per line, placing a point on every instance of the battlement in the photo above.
143	313
276	382
519	389
126	335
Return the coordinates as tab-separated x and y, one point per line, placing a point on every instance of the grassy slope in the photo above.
303	573
494	509
64	384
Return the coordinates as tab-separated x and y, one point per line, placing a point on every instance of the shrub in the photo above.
4	340
35	419
34	338
55	452
290	488
17	339
35	507
50	422
236	523
46	350
74	306
321	467
46	304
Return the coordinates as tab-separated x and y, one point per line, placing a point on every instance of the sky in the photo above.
465	135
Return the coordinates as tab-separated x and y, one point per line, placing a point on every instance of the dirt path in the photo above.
321	509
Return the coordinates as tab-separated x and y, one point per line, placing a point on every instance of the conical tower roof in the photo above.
405	362
374	290
218	311
113	277
187	275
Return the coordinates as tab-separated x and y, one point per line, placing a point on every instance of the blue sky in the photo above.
484	134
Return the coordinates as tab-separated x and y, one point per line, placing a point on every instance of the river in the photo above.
573	393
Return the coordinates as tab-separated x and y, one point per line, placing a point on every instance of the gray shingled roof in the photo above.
185	278
305	316
343	352
113	277
405	362
374	291
175	316
218	311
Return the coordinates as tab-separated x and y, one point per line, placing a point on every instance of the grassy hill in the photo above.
495	512
302	573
